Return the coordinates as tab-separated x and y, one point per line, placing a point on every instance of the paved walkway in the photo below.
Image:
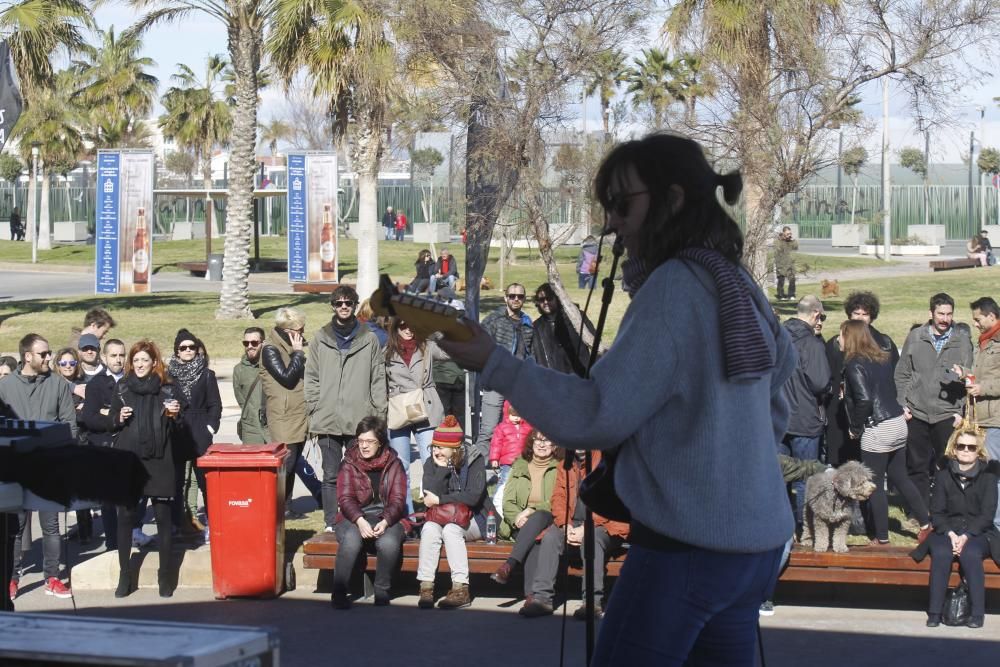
490	633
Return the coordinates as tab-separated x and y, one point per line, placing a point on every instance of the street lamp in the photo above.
34	213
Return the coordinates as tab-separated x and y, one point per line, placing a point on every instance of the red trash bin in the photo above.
246	510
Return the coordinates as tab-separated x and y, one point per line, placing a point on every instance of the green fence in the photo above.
815	209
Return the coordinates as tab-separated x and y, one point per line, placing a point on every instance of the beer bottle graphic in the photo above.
327	245
140	252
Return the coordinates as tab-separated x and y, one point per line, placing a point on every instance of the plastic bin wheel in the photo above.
289	577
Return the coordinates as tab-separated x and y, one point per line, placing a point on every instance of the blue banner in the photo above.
108	222
298	236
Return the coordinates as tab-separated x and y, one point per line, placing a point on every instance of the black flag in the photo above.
11	102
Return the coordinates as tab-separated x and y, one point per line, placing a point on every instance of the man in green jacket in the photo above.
784	263
344	383
248	389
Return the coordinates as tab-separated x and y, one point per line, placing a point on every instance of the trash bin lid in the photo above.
229	455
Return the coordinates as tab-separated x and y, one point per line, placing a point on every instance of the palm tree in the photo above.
246	22
54	124
345	48
117	89
198	113
273	132
651	81
691	81
36	29
604	77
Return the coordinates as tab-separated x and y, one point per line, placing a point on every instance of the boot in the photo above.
457	597
426	600
166	585
124	584
502	575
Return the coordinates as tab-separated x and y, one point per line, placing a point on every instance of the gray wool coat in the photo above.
401	378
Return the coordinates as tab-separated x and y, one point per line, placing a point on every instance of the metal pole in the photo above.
34	199
972	162
982	188
838	209
927	175
886	178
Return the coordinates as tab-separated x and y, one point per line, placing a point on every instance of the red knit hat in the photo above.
448	434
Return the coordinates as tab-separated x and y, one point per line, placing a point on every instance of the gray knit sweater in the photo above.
698	459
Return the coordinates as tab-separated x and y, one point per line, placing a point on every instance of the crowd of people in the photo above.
926	417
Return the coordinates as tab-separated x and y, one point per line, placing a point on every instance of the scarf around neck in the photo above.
406	349
986	336
186	374
147	414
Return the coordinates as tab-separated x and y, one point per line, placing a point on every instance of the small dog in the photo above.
829	288
830	496
484	284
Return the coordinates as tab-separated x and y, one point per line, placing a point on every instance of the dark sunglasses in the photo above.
69	363
45	354
822	317
543	299
621	204
251	343
184	348
966	448
338	304
518	297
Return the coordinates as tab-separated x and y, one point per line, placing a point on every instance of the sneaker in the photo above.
580	614
328	529
12	589
140	539
293	515
457	597
206	535
502	575
536	608
767	608
55	587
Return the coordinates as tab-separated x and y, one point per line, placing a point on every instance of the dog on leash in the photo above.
830	497
829	288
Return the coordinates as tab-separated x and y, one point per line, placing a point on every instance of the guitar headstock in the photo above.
424	316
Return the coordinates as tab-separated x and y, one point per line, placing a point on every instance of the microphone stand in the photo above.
588	524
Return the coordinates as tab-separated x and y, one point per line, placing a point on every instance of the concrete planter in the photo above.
902	250
928	234
63	232
431	232
185	230
848	236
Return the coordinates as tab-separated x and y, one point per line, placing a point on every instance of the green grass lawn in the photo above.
816	265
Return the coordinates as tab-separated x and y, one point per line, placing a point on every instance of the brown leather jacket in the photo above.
562	507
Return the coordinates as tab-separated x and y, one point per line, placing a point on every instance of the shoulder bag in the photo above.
409	407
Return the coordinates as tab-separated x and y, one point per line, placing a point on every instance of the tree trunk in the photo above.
854	199
31	207
234	298
758	207
367	158
44	221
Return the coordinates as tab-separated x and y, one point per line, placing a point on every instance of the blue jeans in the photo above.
805	449
686	606
993	447
584	280
399	440
448	280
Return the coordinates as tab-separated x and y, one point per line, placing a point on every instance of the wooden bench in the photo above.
862	565
320	553
194	268
949	264
871	565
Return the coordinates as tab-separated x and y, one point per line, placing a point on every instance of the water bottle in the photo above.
491	528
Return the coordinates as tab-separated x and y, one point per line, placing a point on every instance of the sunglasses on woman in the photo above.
621	204
69	363
186	348
966	448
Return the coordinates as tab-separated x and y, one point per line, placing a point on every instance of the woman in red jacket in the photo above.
371	493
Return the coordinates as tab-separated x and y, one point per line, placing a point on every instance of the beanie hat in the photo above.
448	434
182	336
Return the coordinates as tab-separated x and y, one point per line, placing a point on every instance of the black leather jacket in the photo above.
287	376
869	393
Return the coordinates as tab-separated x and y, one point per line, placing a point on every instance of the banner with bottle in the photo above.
124	225
312	217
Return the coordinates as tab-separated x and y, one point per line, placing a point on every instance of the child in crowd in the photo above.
507	444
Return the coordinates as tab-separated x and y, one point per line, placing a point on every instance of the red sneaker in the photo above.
12	589
54	586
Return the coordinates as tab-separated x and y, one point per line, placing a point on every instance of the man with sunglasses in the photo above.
248	389
806	391
511	328
34	393
344	383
